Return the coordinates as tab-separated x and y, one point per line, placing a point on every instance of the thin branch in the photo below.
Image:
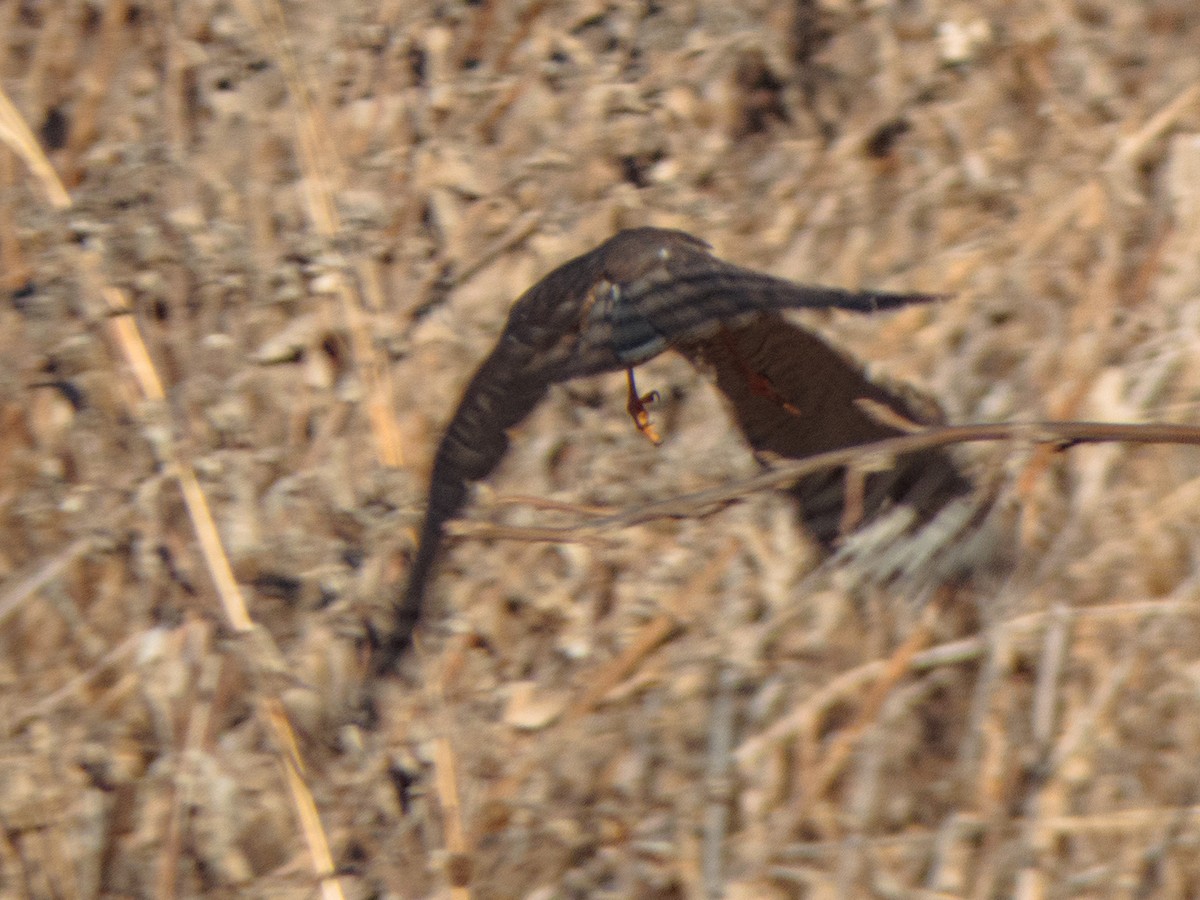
1063	434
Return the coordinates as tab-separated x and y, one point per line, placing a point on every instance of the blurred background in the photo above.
319	214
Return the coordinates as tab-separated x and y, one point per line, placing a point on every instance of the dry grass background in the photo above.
319	218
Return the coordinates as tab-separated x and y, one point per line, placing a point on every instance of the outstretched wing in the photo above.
666	288
794	396
540	344
623	303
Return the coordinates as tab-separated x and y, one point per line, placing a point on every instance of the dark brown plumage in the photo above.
794	396
639	293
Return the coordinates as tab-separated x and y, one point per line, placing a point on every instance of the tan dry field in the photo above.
319	218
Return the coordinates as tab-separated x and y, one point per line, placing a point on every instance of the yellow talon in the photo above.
637	410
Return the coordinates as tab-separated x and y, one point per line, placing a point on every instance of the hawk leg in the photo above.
640	414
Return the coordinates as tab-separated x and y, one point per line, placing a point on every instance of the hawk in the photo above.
648	290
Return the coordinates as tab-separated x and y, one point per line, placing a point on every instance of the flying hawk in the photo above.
647	290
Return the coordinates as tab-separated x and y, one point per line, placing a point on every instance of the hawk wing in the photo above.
664	288
639	293
794	396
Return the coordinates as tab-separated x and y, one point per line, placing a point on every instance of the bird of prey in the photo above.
647	290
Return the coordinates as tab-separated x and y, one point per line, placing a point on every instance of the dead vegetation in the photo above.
239	301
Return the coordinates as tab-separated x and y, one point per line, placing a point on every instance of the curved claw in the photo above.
640	414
